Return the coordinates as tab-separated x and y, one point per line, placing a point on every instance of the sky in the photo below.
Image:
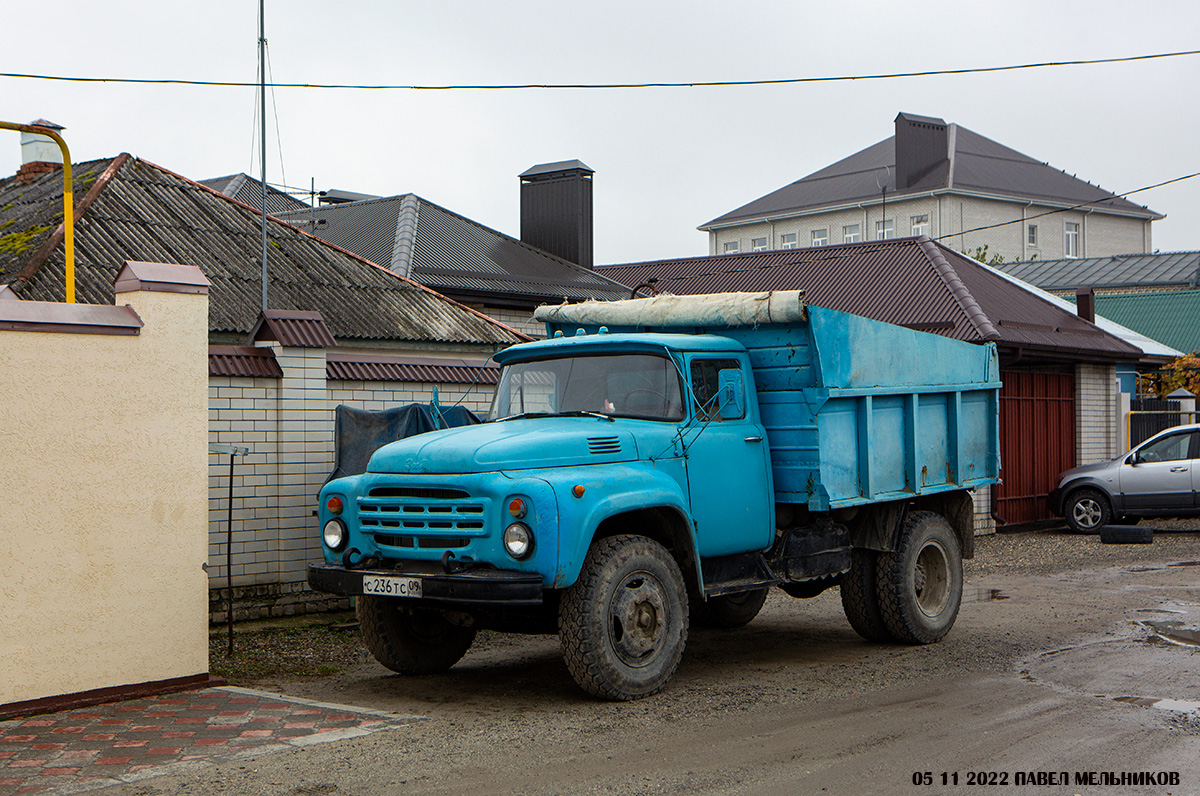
666	159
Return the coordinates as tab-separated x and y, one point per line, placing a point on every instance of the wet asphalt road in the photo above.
1070	657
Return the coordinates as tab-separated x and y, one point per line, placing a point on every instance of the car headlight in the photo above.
518	540
334	534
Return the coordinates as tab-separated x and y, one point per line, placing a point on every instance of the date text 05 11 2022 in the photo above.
1044	778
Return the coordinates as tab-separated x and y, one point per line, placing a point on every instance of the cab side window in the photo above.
706	386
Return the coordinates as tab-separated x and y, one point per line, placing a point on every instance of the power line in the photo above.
521	86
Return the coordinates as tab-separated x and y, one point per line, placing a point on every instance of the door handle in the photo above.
753	439
1179	469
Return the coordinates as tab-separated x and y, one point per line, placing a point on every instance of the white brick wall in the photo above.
288	425
521	320
1096	437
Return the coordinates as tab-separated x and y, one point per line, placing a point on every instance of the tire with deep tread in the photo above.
920	583
860	596
623	624
729	610
1087	511
1117	534
411	640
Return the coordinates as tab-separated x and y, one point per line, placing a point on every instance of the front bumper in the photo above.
481	587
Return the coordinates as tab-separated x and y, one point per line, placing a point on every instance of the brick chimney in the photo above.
39	154
1085	304
556	210
921	144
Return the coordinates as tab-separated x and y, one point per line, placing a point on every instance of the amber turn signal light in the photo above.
578	490
516	507
334	504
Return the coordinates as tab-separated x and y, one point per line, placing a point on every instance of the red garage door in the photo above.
1037	442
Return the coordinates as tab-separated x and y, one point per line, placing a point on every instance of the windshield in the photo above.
623	385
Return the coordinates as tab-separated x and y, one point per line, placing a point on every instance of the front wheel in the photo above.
1088	511
411	640
624	622
920	584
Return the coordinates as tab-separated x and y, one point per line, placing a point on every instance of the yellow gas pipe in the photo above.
68	203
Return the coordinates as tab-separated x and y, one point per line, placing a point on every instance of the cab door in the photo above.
1159	477
728	467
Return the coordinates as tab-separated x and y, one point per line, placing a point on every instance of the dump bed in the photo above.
856	411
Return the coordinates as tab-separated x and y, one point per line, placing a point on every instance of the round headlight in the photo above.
334	534
518	540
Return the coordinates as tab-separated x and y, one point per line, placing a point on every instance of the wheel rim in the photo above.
931	579
1086	513
637	618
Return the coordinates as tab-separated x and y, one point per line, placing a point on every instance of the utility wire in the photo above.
689	84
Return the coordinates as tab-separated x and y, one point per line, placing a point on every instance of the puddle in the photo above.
1176	705
1160	611
1185	564
1174	632
982	594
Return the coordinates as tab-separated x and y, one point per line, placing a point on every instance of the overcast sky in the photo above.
666	160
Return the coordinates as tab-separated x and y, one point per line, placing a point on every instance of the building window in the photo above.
920	225
884	230
851	234
731	247
787	240
758	244
820	237
1071	239
1032	237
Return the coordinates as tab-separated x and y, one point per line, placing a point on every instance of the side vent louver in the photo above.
604	445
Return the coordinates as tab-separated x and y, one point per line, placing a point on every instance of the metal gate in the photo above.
1037	442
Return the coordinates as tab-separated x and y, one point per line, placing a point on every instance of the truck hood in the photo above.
525	444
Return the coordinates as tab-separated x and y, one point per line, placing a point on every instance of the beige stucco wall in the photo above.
104	529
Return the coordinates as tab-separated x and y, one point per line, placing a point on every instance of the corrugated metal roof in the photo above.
452	253
248	190
141	211
1169	316
1181	269
300	329
911	282
239	360
368	368
980	165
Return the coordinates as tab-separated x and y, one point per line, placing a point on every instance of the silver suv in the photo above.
1159	477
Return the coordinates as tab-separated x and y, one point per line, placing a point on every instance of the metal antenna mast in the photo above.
262	119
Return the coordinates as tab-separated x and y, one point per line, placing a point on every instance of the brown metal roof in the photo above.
135	210
437	371
293	328
911	282
240	360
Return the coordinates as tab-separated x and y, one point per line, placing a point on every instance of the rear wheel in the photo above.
860	596
411	640
1088	511
729	610
920	584
624	622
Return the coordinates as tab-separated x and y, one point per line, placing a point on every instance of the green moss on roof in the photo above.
17	242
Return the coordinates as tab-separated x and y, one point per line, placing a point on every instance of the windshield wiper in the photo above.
572	413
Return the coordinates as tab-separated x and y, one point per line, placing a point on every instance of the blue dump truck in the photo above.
663	462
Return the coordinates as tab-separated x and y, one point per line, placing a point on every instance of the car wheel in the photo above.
1088	511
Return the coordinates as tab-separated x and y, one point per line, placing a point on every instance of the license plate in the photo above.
390	586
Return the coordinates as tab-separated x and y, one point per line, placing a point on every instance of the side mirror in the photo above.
732	394
1134	459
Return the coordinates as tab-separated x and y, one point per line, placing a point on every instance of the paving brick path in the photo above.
89	748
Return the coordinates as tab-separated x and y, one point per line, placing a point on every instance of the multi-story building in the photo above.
950	183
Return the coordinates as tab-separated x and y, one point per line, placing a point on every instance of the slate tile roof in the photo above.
1172	269
911	282
128	208
977	164
449	252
